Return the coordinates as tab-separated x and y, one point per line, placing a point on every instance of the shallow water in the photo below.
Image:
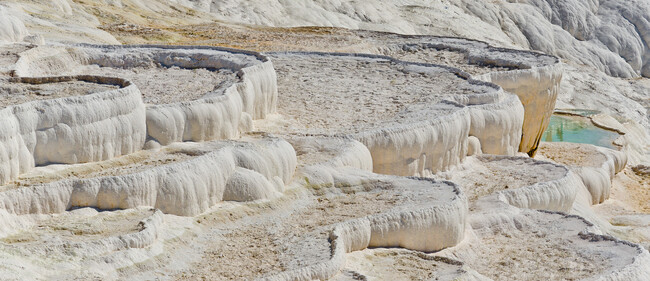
576	129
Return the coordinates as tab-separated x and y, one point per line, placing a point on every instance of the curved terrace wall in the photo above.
534	77
222	114
70	130
428	138
184	188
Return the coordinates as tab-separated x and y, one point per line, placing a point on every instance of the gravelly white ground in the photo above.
348	95
539	246
481	176
14	93
441	57
160	85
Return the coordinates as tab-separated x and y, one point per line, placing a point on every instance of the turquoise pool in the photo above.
564	128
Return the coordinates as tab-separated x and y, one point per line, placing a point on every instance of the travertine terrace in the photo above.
423	160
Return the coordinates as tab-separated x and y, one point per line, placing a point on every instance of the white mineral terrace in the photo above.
414	118
186	162
533	77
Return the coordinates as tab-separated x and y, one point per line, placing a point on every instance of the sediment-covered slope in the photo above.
587	88
58	20
9	56
610	35
86	22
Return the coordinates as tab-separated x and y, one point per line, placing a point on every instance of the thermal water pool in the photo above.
578	129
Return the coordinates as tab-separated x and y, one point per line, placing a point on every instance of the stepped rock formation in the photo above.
72	129
422	160
534	78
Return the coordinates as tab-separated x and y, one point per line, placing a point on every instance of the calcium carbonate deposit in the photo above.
324	140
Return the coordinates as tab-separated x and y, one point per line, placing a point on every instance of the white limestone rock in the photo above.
70	130
427	226
12	29
184	188
221	114
426	136
609	35
596	166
